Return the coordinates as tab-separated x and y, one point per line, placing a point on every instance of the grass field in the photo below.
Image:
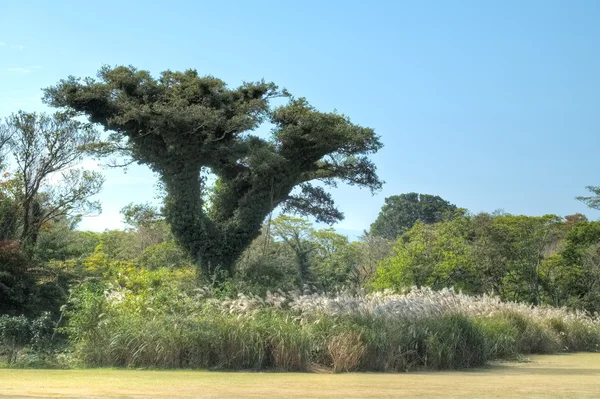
556	376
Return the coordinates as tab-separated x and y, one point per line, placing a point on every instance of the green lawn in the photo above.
556	376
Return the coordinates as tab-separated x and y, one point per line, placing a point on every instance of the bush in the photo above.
453	342
18	333
576	334
140	323
501	338
532	336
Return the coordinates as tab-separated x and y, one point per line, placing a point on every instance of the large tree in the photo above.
400	212
181	123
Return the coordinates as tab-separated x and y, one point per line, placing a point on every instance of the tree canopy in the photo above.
181	123
401	212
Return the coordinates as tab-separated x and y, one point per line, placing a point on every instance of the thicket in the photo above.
167	327
132	298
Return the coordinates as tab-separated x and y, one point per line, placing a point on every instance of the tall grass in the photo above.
422	329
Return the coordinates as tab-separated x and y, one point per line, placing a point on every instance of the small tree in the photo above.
334	259
372	250
148	223
297	234
15	334
43	146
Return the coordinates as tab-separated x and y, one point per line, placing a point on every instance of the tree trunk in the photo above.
203	240
25	233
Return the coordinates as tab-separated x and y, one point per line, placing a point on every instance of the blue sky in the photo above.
487	104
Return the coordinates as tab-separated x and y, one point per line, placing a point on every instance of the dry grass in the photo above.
345	350
556	376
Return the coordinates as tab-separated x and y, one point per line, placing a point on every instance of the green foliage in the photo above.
297	234
148	224
511	256
26	287
334	260
60	241
139	215
14	335
135	329
120	245
181	123
371	251
44	146
324	259
592	201
437	256
19	332
401	212
267	265
577	269
165	254
15	284
9	208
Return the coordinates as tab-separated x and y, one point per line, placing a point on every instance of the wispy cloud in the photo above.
23	69
12	46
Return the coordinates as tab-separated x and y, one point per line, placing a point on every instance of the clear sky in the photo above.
491	105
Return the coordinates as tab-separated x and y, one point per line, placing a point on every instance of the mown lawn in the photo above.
556	376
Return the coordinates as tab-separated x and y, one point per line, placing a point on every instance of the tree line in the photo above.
185	127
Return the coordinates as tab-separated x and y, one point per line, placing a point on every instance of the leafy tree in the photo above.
140	215
297	234
524	242
334	259
15	333
10	210
18	332
59	240
401	212
576	218
501	254
371	250
15	283
181	123
42	146
578	267
5	137
267	264
437	256
25	286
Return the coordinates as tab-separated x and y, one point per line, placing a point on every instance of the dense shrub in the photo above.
135	326
27	287
18	333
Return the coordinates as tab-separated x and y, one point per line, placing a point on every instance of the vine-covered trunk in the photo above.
208	244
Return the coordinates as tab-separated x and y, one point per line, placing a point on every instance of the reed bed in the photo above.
382	331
